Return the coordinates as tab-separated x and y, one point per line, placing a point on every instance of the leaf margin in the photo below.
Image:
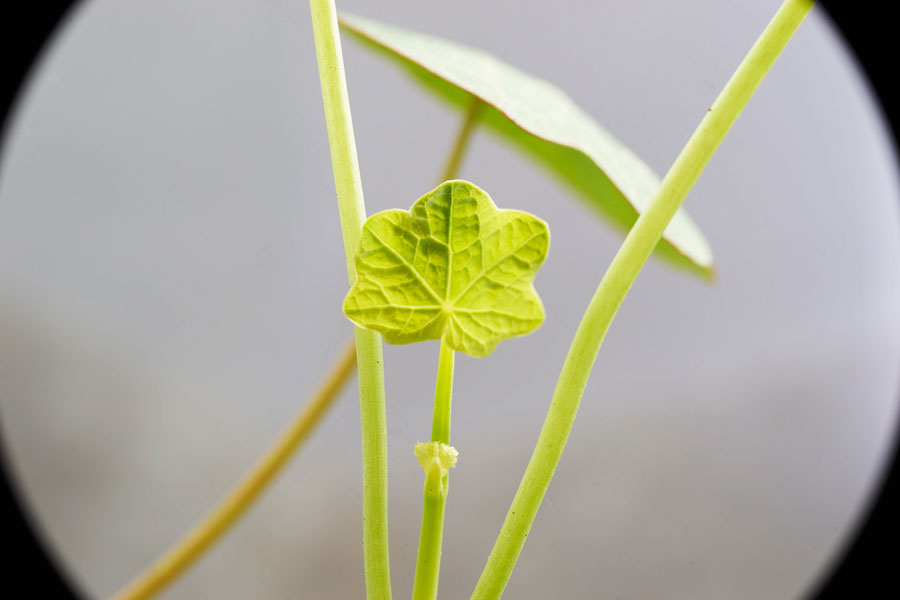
446	324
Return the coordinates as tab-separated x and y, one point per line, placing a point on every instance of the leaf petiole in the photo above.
436	458
440	423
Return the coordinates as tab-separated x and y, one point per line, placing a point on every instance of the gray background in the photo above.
171	275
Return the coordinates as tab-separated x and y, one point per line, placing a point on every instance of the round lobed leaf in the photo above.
454	266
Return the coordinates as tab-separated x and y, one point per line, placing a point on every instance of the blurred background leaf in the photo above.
544	123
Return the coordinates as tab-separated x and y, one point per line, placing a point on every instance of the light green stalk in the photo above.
614	286
428	557
443	393
368	343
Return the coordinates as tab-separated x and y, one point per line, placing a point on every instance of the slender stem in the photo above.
458	151
374	455
344	163
368	343
205	533
428	558
614	286
440	423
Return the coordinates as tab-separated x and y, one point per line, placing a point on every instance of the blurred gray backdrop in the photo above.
171	274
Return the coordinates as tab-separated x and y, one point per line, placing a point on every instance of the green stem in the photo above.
614	286
368	343
428	558
440	423
451	168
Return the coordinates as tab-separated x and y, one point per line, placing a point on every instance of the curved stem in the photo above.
348	186
171	564
614	286
458	151
428	557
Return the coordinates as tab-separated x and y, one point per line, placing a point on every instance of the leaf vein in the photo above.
487	270
406	263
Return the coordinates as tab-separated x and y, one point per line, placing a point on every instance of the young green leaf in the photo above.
454	266
544	123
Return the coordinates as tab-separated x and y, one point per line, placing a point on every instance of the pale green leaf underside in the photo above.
454	266
544	123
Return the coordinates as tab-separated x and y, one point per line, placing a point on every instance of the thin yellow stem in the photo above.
458	151
205	533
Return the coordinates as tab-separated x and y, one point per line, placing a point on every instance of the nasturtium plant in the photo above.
454	267
457	268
